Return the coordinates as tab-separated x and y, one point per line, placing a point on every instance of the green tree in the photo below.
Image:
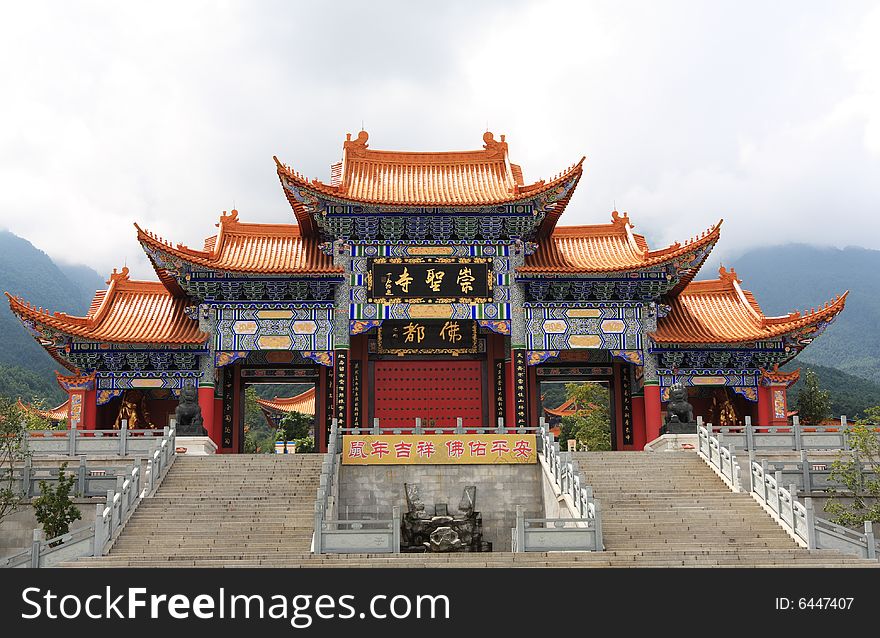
53	508
871	417
13	451
591	423
862	494
814	403
259	438
297	427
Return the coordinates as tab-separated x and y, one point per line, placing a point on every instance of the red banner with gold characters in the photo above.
439	449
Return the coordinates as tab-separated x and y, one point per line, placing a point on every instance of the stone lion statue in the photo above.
678	410
188	415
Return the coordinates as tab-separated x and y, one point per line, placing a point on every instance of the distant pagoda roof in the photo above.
248	248
720	311
483	177
53	414
126	312
607	248
303	403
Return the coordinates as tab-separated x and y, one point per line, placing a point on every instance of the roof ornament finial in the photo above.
620	221
728	276
118	276
230	218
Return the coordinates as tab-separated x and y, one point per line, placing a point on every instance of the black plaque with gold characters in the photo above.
427	336
429	280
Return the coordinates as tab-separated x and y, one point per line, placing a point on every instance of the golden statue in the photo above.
133	410
722	410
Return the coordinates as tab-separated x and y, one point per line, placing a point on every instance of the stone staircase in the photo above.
658	510
220	506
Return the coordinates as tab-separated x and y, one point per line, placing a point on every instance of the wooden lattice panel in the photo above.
438	390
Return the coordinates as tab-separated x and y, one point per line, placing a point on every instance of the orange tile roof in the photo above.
53	414
457	178
400	178
252	248
602	248
720	311
303	403
568	408
127	312
775	376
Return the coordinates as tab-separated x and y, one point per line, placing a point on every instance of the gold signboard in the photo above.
439	449
429	280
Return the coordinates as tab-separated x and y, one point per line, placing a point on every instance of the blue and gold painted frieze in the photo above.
612	326
274	327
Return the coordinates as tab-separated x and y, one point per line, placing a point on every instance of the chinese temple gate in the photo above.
435	286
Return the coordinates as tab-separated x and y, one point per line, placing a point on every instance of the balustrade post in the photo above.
597	521
764	477
750	435
798	433
71	441
112	511
751	471
806	473
36	544
81	477
26	472
123	437
375	429
98	549
869	537
520	529
418	428
459	425
792	489
395	529
319	527
778	476
844	428
811	523
500	429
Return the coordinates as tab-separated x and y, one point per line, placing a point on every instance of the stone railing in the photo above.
121	442
90	480
797	437
458	428
110	517
581	532
719	457
811	476
335	536
800	520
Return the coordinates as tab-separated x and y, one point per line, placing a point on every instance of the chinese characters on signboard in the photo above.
430	280
427	336
341	373
438	449
519	388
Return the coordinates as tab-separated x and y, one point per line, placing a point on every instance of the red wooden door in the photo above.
430	390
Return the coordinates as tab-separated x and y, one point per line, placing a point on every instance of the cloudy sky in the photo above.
765	114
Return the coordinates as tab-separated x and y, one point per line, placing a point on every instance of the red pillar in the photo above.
653	421
89	410
765	405
206	403
638	419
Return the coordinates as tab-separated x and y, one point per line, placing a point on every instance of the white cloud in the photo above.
767	115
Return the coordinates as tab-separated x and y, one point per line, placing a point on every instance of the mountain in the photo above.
797	277
25	368
849	394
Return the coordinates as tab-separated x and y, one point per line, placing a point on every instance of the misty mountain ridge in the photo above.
28	272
